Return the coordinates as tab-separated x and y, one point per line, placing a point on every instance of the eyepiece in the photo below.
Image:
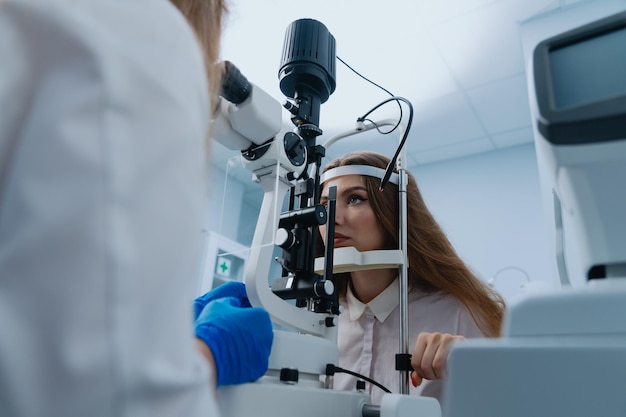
235	86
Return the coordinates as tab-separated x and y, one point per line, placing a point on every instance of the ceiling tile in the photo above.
538	7
458	150
444	121
513	138
483	44
433	12
425	70
502	105
480	46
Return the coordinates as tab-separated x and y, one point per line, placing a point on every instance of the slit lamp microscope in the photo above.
303	300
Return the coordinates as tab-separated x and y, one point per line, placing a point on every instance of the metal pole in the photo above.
404	269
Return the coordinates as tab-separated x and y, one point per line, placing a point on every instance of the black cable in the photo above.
378	129
332	369
365	78
392	162
382	88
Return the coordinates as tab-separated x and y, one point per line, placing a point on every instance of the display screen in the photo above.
589	71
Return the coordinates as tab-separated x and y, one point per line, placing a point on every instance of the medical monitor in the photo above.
580	83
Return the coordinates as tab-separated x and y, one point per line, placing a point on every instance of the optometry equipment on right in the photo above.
563	353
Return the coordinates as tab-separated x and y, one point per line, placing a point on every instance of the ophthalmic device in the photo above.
303	300
563	353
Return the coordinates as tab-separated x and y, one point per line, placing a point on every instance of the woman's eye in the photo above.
355	199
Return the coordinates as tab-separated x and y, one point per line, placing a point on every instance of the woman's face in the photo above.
356	223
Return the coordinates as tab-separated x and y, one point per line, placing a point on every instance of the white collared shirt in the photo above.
381	306
369	336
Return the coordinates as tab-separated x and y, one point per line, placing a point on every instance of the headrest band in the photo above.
367	170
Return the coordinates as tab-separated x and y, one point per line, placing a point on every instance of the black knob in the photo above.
289	375
295	148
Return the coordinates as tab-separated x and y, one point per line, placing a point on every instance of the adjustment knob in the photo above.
289	376
294	148
324	288
285	239
330	321
360	385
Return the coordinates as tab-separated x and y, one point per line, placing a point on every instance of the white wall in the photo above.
490	207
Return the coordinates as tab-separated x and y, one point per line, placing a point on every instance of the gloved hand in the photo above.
230	289
240	338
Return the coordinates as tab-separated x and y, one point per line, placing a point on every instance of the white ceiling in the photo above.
459	62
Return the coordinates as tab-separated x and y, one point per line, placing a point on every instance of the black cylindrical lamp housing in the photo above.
308	65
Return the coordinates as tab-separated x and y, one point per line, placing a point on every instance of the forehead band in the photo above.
367	170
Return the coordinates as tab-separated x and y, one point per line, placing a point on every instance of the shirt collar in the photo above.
381	306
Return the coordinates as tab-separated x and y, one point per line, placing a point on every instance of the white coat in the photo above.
103	120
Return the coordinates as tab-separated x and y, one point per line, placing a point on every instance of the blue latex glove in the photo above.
230	289
240	338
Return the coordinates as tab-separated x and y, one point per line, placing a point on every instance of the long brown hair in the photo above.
434	264
206	17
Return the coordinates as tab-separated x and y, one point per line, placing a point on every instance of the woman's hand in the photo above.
430	356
